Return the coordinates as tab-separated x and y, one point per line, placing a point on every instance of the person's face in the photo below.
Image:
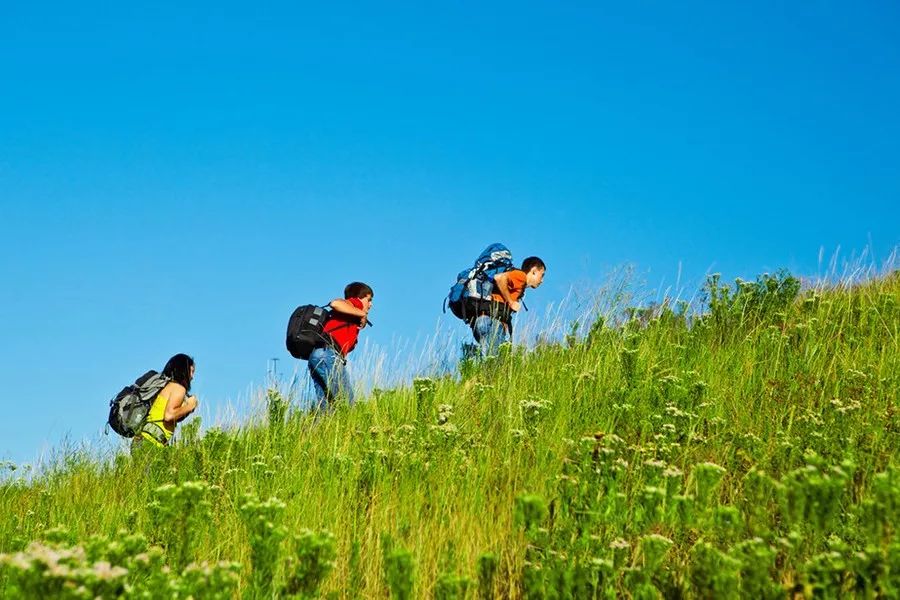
192	372
367	302
535	277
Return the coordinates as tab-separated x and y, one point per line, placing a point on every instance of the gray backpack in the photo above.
128	410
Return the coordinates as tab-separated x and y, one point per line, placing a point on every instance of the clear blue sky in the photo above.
178	177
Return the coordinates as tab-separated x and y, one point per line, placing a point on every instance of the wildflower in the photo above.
104	571
620	551
445	411
534	406
614	439
673	472
752	438
567	479
709	468
857	374
446	431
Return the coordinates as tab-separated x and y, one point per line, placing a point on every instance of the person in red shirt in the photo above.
492	327
328	362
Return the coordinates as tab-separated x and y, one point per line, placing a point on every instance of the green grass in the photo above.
748	452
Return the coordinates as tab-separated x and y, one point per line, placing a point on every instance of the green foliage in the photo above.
450	586
653	549
180	514
276	408
487	572
425	390
746	450
714	574
399	568
750	302
531	510
313	560
265	533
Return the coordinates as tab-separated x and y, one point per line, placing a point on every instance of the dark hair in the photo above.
357	289
531	262
178	369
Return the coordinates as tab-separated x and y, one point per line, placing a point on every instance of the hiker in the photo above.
173	403
328	359
493	325
486	294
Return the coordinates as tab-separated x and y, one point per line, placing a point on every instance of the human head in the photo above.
360	290
534	271
180	369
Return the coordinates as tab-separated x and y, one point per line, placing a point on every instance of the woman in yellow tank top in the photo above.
173	404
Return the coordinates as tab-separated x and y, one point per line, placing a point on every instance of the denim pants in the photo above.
329	375
490	333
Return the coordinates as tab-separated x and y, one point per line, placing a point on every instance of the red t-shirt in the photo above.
344	329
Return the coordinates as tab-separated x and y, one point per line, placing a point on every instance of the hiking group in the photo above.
485	296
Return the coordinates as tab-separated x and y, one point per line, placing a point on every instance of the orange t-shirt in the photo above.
515	284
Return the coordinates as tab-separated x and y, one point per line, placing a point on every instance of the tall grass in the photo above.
745	450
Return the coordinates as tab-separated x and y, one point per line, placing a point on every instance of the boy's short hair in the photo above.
357	289
532	262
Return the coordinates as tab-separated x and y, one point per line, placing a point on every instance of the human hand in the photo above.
191	402
515	305
363	320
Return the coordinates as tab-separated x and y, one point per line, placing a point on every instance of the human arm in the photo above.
501	283
192	400
178	403
348	308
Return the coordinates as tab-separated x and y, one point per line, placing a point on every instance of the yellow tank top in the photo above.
154	429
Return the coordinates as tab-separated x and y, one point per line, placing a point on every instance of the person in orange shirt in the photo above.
494	325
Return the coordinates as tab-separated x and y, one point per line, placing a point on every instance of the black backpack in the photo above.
128	410
306	330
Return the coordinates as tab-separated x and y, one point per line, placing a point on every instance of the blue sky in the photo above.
178	177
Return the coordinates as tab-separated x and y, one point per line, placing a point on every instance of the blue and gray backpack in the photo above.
471	293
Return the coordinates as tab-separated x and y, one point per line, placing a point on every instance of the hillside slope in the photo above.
749	452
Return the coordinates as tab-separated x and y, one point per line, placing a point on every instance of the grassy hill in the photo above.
748	451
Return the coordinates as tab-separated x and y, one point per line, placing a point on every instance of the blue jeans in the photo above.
329	375
490	333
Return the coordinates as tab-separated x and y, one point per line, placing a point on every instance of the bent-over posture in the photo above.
173	404
327	362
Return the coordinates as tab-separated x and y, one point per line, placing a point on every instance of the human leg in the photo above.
330	378
320	364
490	333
